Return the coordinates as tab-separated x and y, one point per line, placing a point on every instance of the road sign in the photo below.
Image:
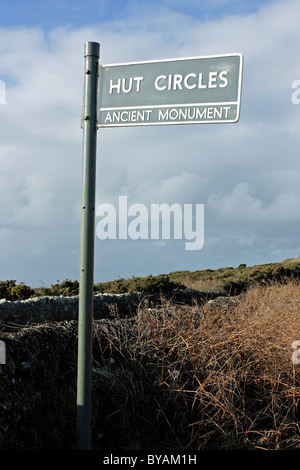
175	91
195	90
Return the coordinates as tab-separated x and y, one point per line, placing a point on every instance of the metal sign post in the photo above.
87	241
196	90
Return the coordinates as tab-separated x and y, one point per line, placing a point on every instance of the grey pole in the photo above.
87	240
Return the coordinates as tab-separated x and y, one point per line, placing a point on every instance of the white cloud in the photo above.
243	207
246	174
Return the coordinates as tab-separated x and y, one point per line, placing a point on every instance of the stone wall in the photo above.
51	308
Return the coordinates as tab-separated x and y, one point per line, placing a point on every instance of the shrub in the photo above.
20	292
235	287
152	284
66	288
5	288
10	291
119	286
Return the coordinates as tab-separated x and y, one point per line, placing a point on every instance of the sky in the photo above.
245	174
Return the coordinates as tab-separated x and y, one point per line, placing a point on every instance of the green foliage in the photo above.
235	287
5	288
66	288
10	291
119	286
21	292
150	284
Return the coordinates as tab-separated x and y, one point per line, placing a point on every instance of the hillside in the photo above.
233	280
228	280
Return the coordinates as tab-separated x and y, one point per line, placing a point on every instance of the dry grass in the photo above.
215	377
211	376
204	285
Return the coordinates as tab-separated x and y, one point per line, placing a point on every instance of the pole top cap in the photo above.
92	48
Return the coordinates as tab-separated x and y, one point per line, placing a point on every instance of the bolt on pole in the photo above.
87	241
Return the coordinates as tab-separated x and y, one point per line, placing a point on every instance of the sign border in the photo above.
157	61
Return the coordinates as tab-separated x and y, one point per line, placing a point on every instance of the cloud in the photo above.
242	207
246	174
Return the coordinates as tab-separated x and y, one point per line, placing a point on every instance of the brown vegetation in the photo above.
210	376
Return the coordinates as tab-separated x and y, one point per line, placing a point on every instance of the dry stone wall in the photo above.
51	308
59	308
